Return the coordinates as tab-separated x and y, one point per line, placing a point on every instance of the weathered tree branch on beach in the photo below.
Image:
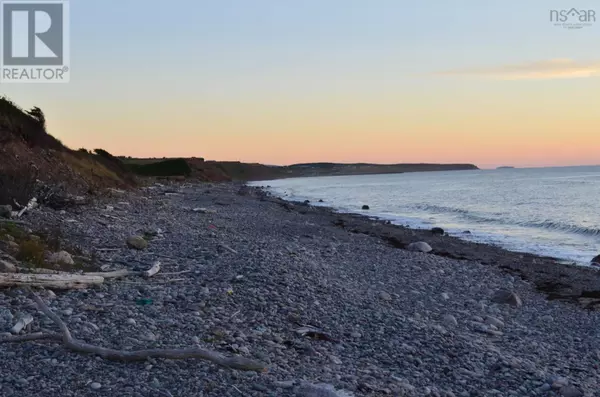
32	203
155	268
58	281
62	280
70	343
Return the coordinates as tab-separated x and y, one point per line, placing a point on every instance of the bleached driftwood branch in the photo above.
70	343
58	281
126	273
32	203
63	280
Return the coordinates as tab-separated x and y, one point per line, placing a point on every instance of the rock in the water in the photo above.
438	231
5	211
62	258
7	267
507	297
366	207
596	259
421	246
137	242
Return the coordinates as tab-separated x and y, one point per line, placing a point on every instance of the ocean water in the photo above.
548	211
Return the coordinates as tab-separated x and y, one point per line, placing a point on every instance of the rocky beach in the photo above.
331	304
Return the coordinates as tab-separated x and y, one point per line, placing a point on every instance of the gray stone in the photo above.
6	319
137	242
335	360
95	386
450	321
571	391
62	258
494	321
507	297
320	390
420	246
385	296
560	382
6	211
12	247
7	267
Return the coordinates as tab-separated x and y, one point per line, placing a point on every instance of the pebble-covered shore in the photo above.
245	274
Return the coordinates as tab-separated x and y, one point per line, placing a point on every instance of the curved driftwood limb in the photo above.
235	362
38	336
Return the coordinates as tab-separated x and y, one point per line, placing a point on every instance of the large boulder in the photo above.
5	211
62	258
7	267
507	297
6	319
12	247
596	259
137	242
438	231
366	207
420	246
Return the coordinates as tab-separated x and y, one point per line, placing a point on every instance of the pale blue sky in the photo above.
140	67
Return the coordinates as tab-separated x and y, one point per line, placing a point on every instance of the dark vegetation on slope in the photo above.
171	167
34	163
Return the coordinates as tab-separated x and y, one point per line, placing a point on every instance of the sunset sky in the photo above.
281	82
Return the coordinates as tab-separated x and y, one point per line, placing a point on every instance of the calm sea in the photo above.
548	211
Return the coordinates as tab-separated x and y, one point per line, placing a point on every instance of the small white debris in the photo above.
24	320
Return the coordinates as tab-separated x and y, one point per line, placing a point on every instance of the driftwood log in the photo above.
57	281
70	343
63	280
32	203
